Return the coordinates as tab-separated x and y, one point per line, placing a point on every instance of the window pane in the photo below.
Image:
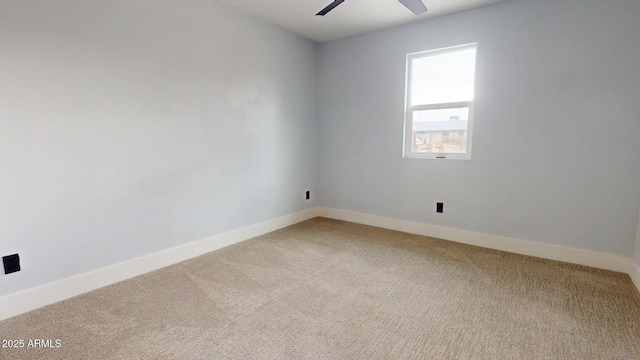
440	131
443	78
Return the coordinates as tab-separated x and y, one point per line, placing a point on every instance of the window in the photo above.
439	103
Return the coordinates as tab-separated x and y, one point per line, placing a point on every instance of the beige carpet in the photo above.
326	289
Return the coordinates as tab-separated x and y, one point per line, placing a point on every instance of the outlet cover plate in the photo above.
11	263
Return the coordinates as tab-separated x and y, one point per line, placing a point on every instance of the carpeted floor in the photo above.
326	289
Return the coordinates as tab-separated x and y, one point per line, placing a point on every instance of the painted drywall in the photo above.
129	127
555	138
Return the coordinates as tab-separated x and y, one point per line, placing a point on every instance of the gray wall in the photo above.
128	127
556	134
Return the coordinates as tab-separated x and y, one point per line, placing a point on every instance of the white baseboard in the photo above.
518	246
634	273
18	303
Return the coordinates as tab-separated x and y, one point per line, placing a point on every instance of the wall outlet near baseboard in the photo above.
11	263
439	207
308	194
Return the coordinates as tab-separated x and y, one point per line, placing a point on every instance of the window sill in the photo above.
438	156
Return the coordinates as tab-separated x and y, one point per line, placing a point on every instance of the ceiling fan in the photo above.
416	6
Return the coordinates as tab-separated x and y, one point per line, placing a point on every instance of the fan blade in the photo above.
324	11
416	6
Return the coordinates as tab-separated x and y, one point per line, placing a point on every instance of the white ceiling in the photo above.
350	18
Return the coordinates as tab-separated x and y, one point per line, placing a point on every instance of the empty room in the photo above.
320	179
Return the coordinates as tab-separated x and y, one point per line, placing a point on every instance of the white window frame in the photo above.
410	109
